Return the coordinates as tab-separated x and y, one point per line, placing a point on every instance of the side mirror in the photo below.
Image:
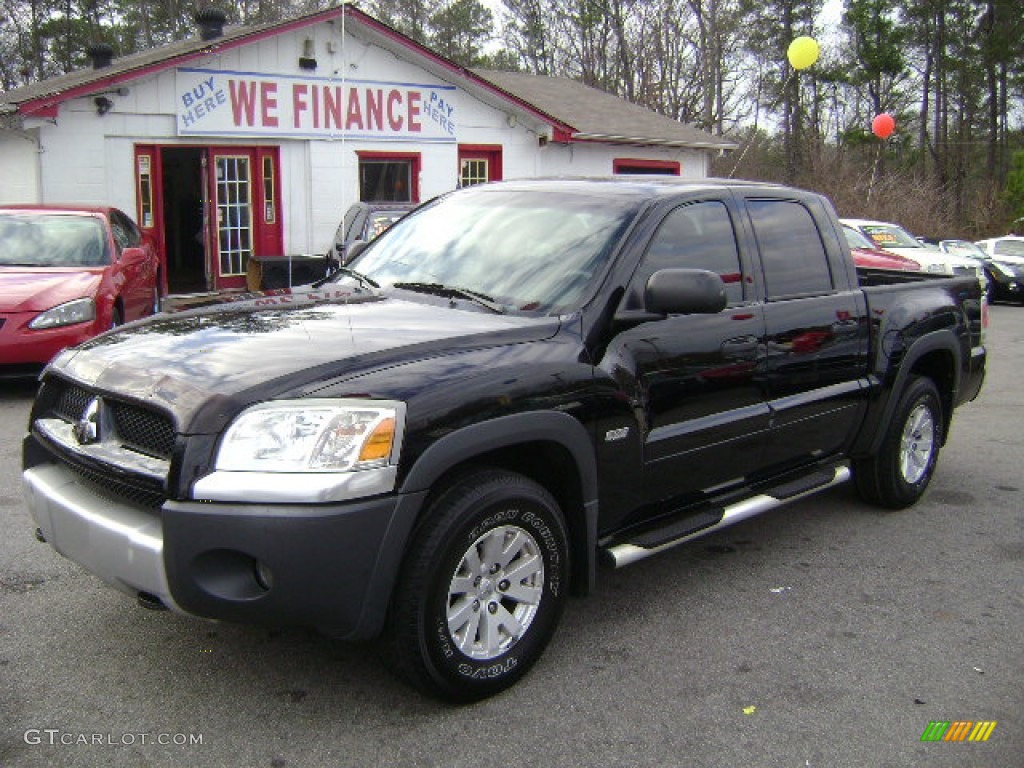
684	292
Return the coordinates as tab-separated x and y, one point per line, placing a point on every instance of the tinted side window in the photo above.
697	236
126	235
792	253
349	223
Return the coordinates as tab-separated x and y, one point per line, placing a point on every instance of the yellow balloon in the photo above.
803	52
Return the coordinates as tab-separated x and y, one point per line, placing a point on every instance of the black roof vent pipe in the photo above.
101	55
211	22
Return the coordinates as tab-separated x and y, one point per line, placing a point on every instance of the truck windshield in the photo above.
528	250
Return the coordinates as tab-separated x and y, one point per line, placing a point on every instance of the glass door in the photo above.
233	204
244	221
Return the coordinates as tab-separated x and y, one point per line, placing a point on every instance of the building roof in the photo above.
600	116
571	110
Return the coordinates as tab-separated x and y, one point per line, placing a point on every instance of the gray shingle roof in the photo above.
599	115
143	62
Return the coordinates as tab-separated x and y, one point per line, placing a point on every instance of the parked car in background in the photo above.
893	238
1007	245
364	222
68	273
866	254
1004	264
962	248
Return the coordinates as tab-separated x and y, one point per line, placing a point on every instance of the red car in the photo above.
866	254
68	273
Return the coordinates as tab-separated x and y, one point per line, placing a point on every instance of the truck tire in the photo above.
482	588
899	474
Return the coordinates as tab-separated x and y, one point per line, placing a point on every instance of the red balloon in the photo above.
883	125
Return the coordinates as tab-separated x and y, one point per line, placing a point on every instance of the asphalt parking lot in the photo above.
823	634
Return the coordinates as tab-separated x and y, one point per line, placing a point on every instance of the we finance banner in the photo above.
222	103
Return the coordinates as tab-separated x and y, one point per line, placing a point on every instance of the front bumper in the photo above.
118	542
329	566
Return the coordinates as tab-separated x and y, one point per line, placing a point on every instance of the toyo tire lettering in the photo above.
482	587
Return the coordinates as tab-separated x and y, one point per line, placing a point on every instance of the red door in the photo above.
243	216
149	211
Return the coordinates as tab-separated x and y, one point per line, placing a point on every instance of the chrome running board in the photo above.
621	555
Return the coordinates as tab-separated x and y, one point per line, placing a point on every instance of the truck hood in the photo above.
227	357
32	289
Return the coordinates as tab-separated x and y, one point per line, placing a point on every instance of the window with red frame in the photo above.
389	178
622	165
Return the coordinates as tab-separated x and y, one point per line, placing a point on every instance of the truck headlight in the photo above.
77	311
313	436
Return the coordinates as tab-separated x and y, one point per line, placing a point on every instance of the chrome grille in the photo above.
138	428
109	487
143	430
71	403
131	460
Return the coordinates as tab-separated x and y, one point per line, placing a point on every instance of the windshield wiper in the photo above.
359	277
452	292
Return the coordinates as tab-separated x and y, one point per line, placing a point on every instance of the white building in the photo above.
253	141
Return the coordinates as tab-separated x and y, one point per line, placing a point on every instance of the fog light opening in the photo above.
262	574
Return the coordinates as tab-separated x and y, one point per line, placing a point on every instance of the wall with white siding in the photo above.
88	158
19	167
589	159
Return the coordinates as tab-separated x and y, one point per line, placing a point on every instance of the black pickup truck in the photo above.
514	384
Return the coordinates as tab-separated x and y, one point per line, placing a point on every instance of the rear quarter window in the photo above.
793	255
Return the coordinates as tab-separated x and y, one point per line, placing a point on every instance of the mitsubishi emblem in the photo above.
87	428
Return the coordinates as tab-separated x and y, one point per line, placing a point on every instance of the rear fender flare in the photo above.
937	341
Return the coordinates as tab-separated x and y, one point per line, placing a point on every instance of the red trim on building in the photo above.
43	110
670	167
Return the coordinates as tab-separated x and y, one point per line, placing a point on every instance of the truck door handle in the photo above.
741	346
846	327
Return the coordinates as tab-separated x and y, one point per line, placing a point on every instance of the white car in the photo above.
892	237
1008	245
963	248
